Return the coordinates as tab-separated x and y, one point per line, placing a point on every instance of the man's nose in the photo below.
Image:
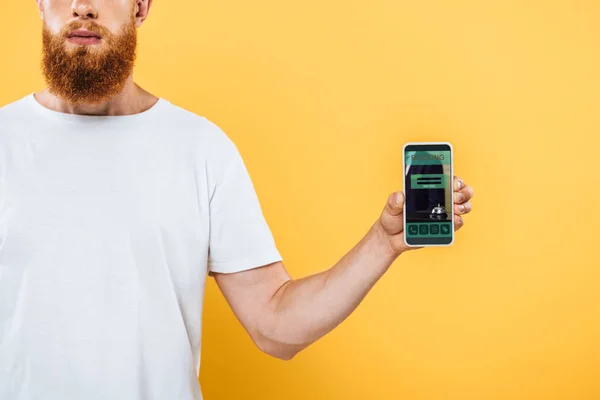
84	9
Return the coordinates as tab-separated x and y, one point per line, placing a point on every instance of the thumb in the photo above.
395	204
391	218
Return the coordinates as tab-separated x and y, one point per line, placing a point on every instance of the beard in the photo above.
88	74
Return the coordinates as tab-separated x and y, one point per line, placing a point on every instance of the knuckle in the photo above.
467	207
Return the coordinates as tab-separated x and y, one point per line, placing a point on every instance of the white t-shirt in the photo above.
109	227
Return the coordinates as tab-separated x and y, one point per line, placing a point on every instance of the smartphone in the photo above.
428	169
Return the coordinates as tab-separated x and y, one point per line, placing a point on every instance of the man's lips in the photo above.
82	36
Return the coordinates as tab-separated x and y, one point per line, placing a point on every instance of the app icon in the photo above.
413	230
434	229
445	229
423	229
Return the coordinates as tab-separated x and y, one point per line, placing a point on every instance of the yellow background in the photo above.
320	96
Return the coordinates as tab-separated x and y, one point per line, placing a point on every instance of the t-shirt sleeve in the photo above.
240	238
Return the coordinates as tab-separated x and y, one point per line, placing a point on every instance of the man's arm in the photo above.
284	315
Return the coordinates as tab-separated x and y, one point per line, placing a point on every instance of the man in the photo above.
115	205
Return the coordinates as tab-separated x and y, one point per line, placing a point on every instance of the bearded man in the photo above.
115	207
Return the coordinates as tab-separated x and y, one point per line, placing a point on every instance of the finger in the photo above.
463	195
395	204
459	183
392	215
458	222
463	208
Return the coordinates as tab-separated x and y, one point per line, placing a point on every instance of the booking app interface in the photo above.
428	190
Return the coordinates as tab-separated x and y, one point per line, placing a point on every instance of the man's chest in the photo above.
100	189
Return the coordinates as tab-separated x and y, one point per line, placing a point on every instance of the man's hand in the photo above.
391	219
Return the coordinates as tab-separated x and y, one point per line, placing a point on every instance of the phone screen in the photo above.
428	209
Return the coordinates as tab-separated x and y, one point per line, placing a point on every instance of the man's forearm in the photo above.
304	310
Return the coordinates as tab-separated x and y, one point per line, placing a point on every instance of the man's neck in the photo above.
132	100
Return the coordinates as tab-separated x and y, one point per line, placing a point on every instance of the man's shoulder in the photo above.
191	127
13	115
13	108
183	119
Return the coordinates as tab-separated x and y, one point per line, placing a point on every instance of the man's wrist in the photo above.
382	242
